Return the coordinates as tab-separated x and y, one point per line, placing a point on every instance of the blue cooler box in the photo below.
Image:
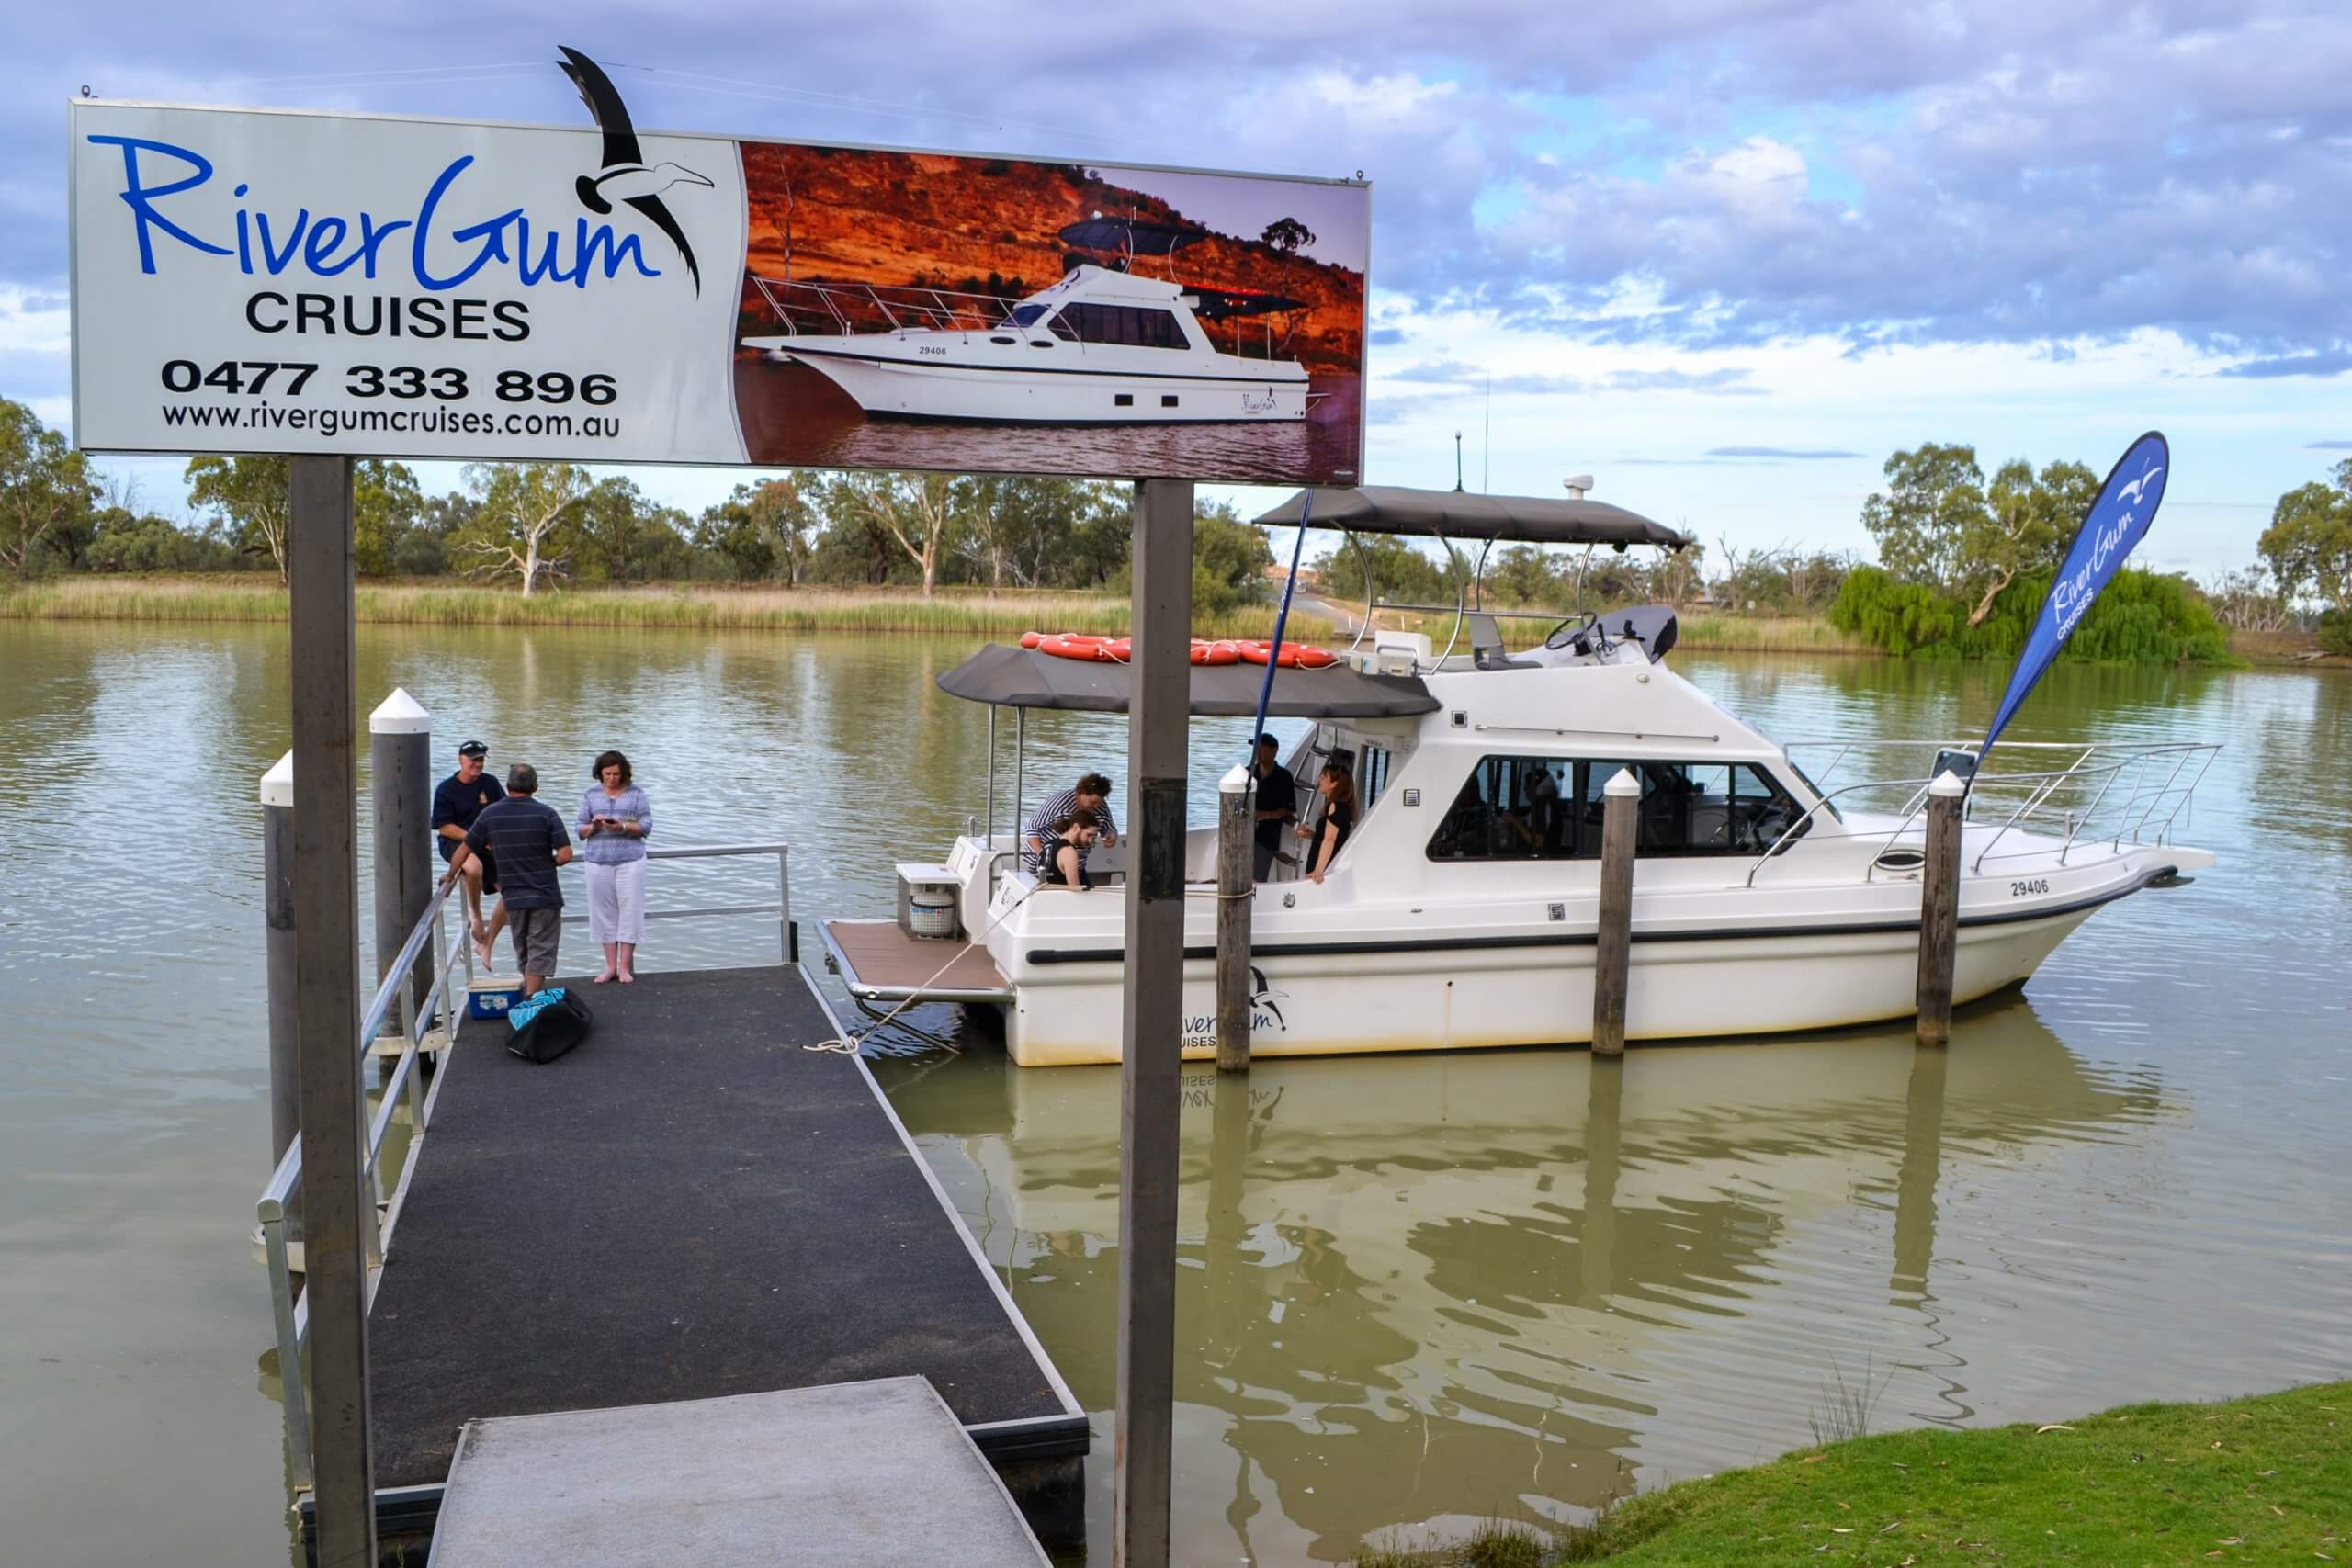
491	998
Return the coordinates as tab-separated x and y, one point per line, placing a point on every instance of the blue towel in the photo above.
522	1012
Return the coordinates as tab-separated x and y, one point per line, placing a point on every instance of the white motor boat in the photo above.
1463	910
1099	347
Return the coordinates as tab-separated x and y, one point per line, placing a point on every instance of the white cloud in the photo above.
34	323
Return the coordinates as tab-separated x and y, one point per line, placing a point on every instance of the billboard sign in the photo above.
282	282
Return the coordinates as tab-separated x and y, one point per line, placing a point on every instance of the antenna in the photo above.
1457	460
1575	485
1487	453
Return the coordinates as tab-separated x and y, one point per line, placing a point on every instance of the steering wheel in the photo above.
1572	629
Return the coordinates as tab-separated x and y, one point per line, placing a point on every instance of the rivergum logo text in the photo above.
325	245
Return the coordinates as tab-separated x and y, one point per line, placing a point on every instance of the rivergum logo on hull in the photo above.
330	245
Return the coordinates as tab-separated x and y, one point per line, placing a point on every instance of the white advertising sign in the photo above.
279	282
255	282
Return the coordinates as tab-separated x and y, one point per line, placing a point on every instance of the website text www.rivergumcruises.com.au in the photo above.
422	421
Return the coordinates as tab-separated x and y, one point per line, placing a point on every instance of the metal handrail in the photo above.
2138	820
405	1081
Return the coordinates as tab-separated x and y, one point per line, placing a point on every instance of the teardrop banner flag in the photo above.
2116	521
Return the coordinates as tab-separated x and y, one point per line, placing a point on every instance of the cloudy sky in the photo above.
1725	256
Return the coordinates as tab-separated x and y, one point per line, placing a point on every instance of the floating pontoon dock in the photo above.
689	1206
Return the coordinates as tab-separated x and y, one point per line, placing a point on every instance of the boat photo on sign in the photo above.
1105	320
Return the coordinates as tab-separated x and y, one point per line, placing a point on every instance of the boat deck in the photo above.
690	1205
878	962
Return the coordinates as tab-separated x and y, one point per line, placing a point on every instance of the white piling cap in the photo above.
399	714
1948	784
1621	783
277	785
1235	782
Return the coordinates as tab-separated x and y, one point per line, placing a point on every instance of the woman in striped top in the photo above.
614	818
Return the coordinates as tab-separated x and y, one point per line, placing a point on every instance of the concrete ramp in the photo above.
848	1475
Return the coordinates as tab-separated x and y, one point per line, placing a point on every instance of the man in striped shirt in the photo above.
1091	797
527	842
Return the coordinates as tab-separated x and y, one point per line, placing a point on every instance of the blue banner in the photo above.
2116	521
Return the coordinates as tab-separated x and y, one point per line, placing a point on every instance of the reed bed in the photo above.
952	612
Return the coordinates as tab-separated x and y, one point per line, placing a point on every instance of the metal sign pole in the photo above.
337	1206
1151	1035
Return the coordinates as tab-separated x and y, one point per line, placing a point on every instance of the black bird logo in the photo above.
626	177
1263	996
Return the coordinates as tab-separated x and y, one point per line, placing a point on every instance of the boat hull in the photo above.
1454	998
892	387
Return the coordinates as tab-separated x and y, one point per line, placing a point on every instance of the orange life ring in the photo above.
1088	647
1293	656
1072	645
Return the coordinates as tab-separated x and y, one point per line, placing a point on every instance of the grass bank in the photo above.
954	610
2296	650
2268	1478
963	612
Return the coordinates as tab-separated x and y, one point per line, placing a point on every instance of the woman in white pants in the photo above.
614	818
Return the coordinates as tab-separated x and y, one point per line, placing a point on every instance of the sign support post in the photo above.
1151	1033
338	1206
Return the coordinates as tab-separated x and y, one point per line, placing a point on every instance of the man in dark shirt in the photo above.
527	841
1277	803
457	801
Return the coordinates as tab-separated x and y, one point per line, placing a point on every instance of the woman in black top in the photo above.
1338	788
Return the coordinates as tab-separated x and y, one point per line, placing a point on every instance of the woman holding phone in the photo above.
614	817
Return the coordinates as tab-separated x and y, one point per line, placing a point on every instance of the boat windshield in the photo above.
1025	315
1827	804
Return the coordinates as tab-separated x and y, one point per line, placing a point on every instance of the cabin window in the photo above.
1026	315
1550	808
1371	775
1128	326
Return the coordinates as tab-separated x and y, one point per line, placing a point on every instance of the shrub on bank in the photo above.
2335	632
2142	617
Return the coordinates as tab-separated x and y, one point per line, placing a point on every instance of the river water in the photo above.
1417	1292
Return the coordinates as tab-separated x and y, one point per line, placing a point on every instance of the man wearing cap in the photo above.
457	801
1277	804
527	842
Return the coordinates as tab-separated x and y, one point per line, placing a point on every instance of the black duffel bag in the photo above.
553	1023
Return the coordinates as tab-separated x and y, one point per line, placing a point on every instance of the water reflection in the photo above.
1506	1282
1453	1286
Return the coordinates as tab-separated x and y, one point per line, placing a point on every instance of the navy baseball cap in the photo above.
473	749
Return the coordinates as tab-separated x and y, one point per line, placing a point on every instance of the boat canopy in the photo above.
1137	236
1024	678
1459	514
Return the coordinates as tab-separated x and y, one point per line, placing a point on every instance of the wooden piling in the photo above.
1613	950
1236	838
277	922
1940	908
400	760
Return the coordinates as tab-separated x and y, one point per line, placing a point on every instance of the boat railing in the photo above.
2092	793
848	309
425	1025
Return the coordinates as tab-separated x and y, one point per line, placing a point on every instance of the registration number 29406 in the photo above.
2026	889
